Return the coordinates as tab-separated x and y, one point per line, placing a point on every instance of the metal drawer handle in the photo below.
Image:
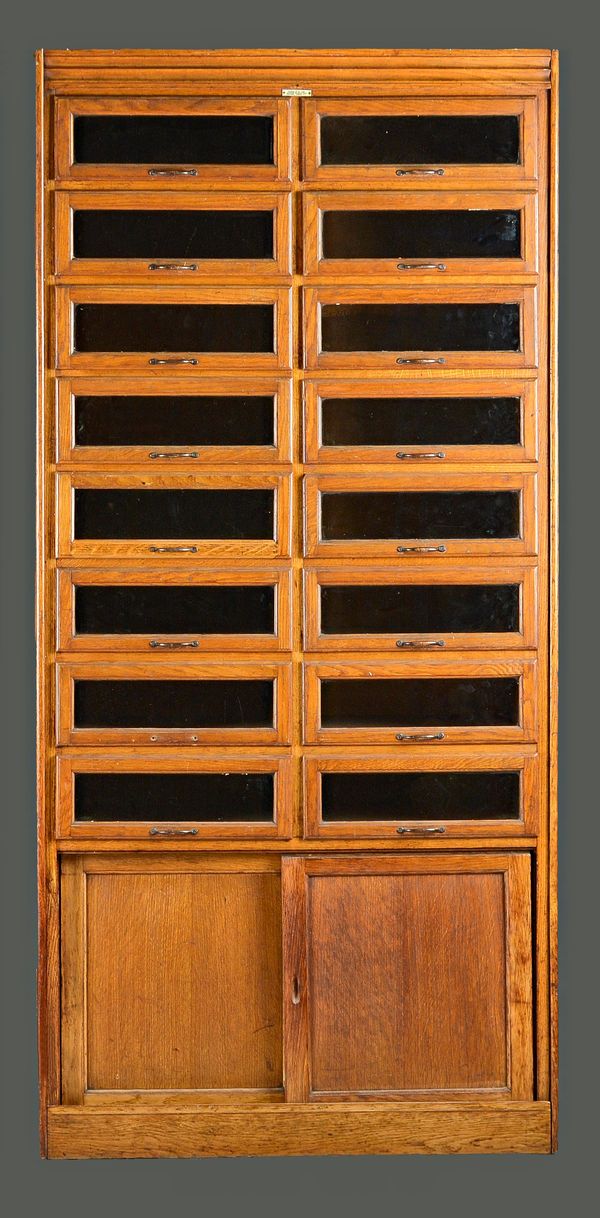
172	266
425	829
420	456
155	832
420	736
172	173
154	361
421	266
420	360
173	549
295	991
171	456
420	549
419	643
426	173
172	646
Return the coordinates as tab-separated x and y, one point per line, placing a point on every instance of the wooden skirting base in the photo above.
516	1127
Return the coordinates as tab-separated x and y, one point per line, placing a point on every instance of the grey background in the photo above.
413	1186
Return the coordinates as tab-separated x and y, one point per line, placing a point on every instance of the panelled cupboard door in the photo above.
420	422
405	515
403	328
125	235
158	331
421	142
156	611
158	422
171	980
424	793
422	236
172	795
182	142
408	977
175	515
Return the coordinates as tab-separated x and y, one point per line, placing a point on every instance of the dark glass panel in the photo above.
174	327
186	609
420	327
204	139
172	234
176	704
421	234
421	702
369	515
173	797
437	795
381	421
412	608
125	515
170	419
420	140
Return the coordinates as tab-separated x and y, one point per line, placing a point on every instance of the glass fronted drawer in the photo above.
421	141
183	141
173	702
110	329
120	234
406	515
424	422
489	792
173	796
425	701
403	329
178	423
158	611
424	609
426	235
176	515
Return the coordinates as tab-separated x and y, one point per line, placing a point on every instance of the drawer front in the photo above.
183	702
424	236
171	236
182	142
109	329
157	611
425	794
425	422
173	797
155	421
401	516
146	516
421	702
407	328
420	142
428	609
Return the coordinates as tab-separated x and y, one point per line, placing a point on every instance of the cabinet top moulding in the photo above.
326	70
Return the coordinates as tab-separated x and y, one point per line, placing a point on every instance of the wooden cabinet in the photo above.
296	602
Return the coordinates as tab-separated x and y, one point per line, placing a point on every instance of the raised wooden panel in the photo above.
415	978
178	973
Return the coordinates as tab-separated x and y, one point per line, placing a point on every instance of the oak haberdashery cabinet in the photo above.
297	602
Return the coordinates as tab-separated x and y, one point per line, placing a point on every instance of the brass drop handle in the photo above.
420	549
173	646
421	456
172	173
421	266
172	456
420	643
185	360
173	549
295	991
156	832
425	829
172	266
416	173
420	736
421	360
